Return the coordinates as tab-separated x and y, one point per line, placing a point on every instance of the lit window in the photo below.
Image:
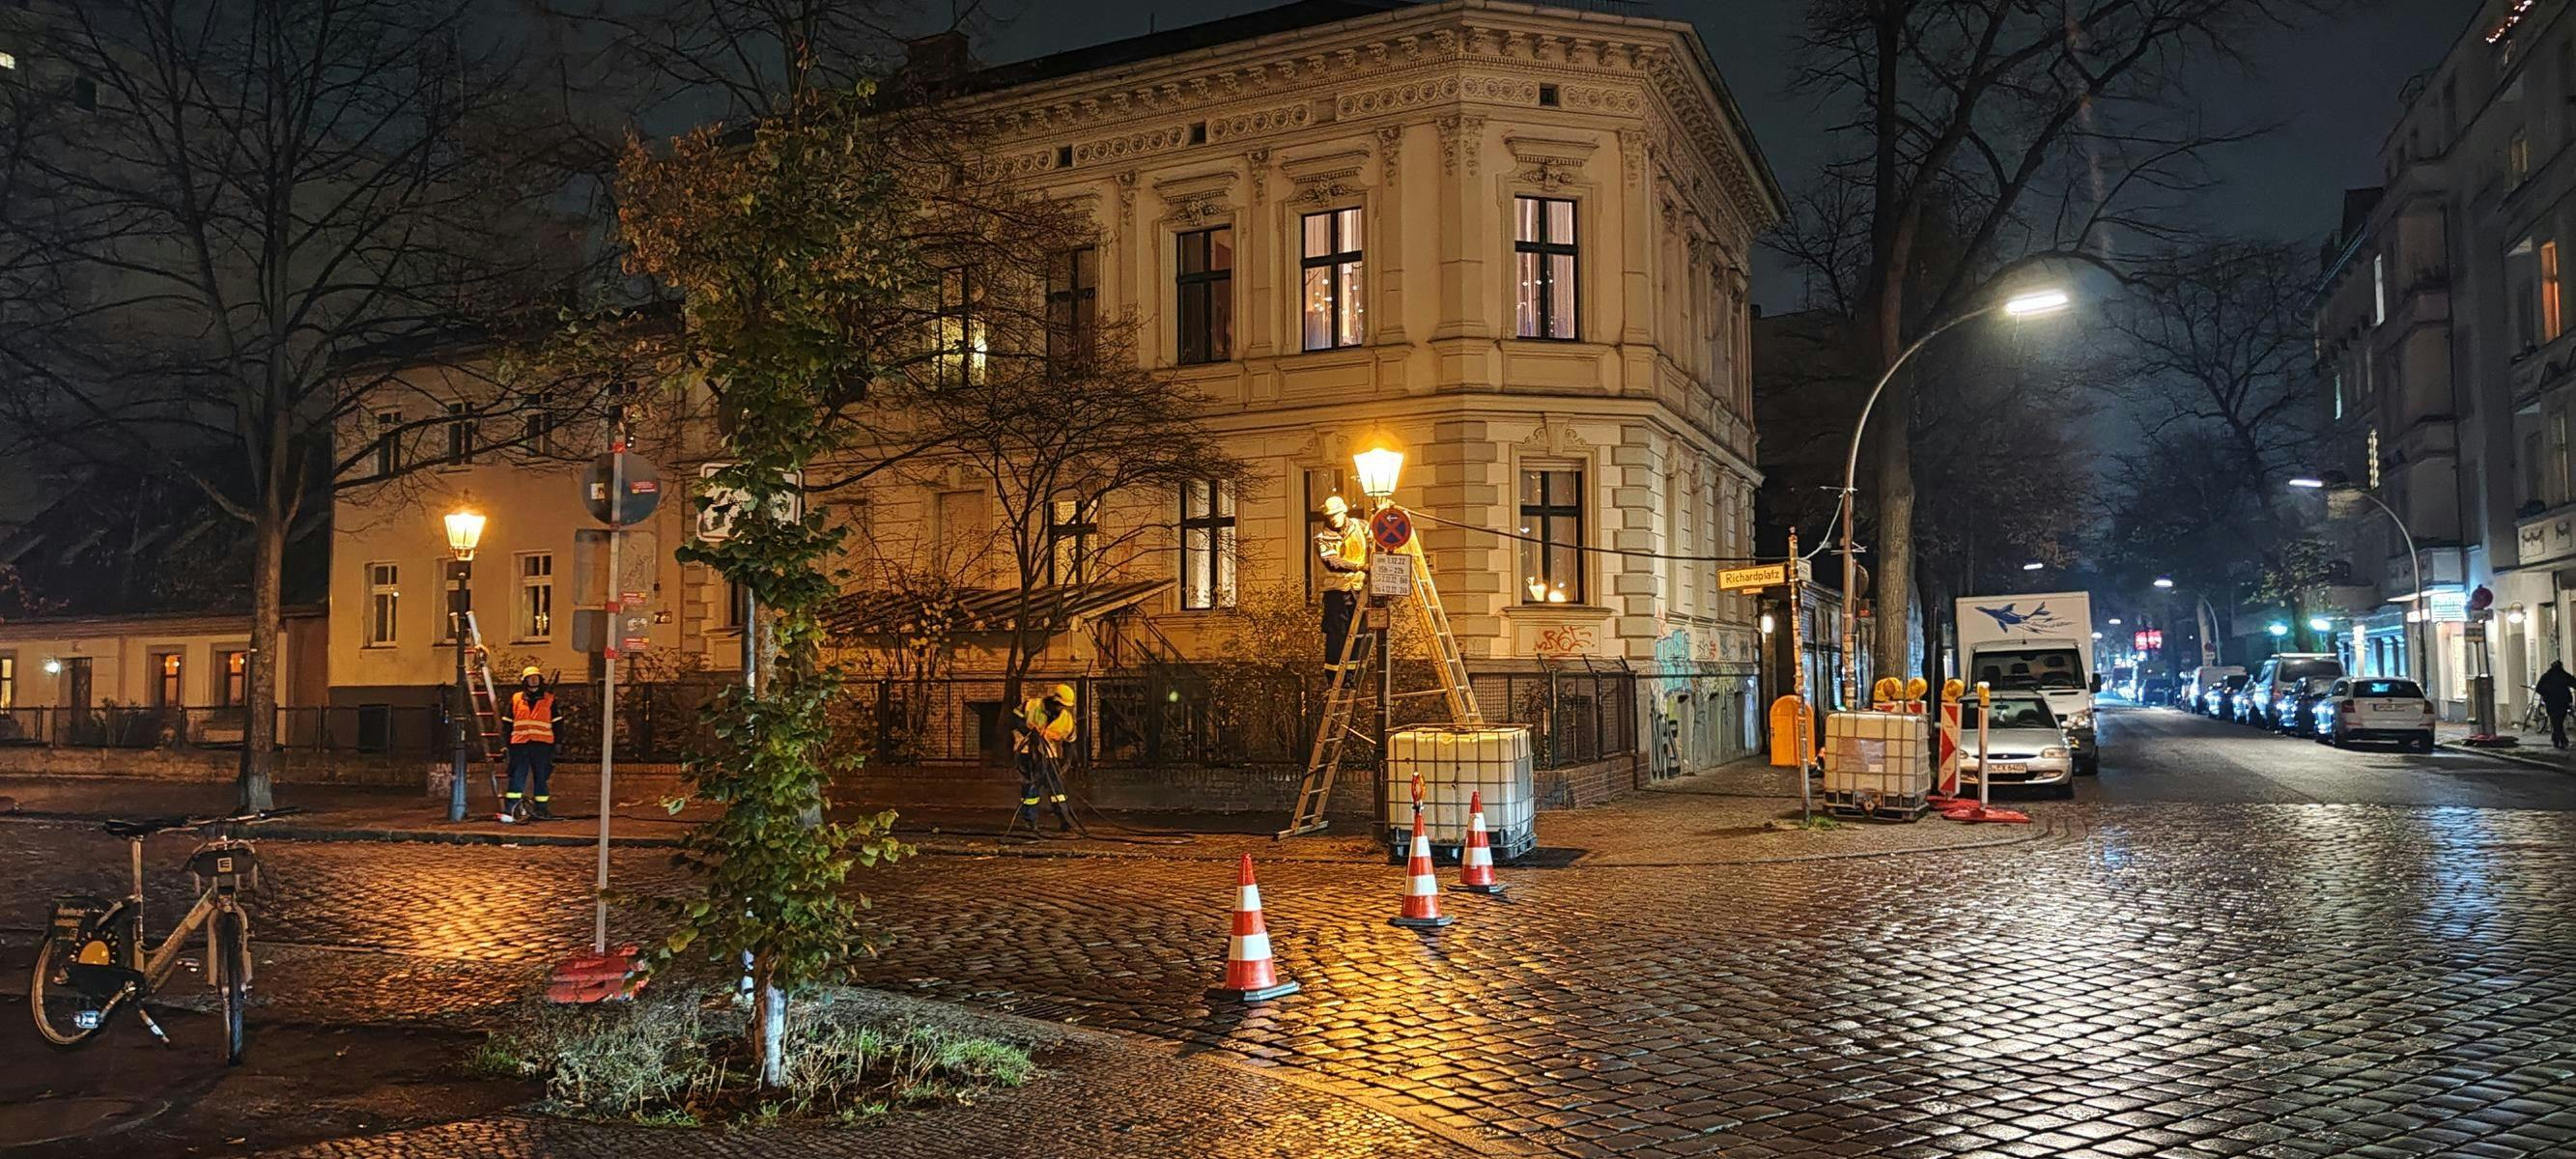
959	357
8	682
536	612
1206	284
1552	527
1543	241
166	687
234	690
2552	323
2378	289
384	603
9	60
1333	307
1207	544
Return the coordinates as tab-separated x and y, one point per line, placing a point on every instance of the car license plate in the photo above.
2392	708
2002	767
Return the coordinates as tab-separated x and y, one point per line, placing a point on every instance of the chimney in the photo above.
931	60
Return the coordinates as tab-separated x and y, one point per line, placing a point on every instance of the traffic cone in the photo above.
1476	858
1250	975
1421	887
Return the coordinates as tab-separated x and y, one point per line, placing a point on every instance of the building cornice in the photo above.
1429	56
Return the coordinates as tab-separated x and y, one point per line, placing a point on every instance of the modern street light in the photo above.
2033	565
2319	624
2027	304
464	531
2413	637
2279	629
2165	582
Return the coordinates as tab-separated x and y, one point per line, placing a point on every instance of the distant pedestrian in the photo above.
2557	692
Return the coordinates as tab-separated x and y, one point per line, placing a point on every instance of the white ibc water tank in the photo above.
1457	762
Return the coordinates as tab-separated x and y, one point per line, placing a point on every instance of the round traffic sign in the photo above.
642	489
1391	528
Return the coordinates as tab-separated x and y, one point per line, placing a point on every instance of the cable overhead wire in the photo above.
1633	553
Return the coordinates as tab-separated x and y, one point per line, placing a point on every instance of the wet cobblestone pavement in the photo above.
2161	972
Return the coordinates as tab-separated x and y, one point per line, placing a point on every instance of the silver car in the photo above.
2024	743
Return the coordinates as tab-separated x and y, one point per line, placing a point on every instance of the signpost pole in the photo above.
1798	664
608	683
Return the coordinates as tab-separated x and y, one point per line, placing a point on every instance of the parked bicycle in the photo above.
96	962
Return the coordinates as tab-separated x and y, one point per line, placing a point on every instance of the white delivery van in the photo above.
2041	641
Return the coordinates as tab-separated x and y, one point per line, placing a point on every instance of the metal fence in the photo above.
1194	715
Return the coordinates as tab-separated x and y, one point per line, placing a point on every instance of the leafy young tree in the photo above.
237	231
780	249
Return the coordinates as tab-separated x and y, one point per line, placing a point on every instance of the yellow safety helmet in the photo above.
530	670
1334	505
1063	695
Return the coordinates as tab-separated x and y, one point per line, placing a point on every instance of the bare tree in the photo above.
2025	135
242	231
2221	350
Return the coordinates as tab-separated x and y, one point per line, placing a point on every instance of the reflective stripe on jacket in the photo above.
1352	552
532	721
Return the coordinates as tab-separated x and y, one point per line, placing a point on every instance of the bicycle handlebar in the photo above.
147	826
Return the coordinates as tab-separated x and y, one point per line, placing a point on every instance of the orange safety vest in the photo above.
532	721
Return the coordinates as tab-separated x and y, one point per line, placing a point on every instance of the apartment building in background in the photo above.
2446	365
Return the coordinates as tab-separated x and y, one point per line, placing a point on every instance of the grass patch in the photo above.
678	1058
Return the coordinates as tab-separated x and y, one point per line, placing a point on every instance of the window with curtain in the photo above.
384	603
1205	279
1543	241
536	618
1073	306
1207	544
1073	524
167	668
958	359
1552	522
234	689
2552	321
1334	311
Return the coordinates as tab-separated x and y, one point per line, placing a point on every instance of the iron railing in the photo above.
1203	715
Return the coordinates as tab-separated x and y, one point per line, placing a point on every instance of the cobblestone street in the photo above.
2232	944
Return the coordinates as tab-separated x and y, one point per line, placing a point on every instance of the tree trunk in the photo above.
1892	558
769	1027
260	668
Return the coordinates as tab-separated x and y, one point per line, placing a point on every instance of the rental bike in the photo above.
96	962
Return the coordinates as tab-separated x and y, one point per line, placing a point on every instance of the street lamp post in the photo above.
2026	305
464	531
2415	605
1378	469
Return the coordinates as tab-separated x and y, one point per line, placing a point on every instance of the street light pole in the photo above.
2414	607
2020	305
464	531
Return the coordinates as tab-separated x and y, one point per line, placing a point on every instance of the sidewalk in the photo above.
1743	813
2533	750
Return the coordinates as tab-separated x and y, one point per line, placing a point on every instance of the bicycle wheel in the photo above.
74	990
232	951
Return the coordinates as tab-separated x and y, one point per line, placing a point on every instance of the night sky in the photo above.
2333	88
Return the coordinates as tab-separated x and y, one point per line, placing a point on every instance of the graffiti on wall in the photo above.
1559	642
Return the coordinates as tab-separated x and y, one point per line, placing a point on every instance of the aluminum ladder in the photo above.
490	731
1341	702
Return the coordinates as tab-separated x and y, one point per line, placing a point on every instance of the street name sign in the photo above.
1769	575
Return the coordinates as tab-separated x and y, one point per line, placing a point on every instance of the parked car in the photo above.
2218	700
2279	675
2375	708
2295	711
2025	742
2202	680
2155	690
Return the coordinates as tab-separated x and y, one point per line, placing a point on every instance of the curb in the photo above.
2508	755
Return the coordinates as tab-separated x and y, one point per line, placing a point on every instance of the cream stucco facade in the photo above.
1482	149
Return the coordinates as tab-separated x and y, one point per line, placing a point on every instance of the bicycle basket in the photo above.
216	861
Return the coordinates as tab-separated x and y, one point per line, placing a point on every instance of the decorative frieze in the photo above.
1262	122
1461	135
1396	98
1136	144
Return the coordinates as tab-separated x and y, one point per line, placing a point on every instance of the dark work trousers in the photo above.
1041	781
1339	608
530	761
2557	724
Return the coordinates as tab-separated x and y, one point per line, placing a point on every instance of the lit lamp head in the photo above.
2033	303
464	530
2319	623
2033	565
2279	629
2306	483
2165	582
1378	469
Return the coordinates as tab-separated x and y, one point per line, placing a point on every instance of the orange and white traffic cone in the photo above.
1421	886
1250	975
1476	858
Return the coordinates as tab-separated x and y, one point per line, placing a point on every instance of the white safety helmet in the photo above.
1333	505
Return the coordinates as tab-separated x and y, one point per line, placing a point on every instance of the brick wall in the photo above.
212	765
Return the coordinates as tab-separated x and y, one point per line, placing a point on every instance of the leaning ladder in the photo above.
490	740
1342	699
